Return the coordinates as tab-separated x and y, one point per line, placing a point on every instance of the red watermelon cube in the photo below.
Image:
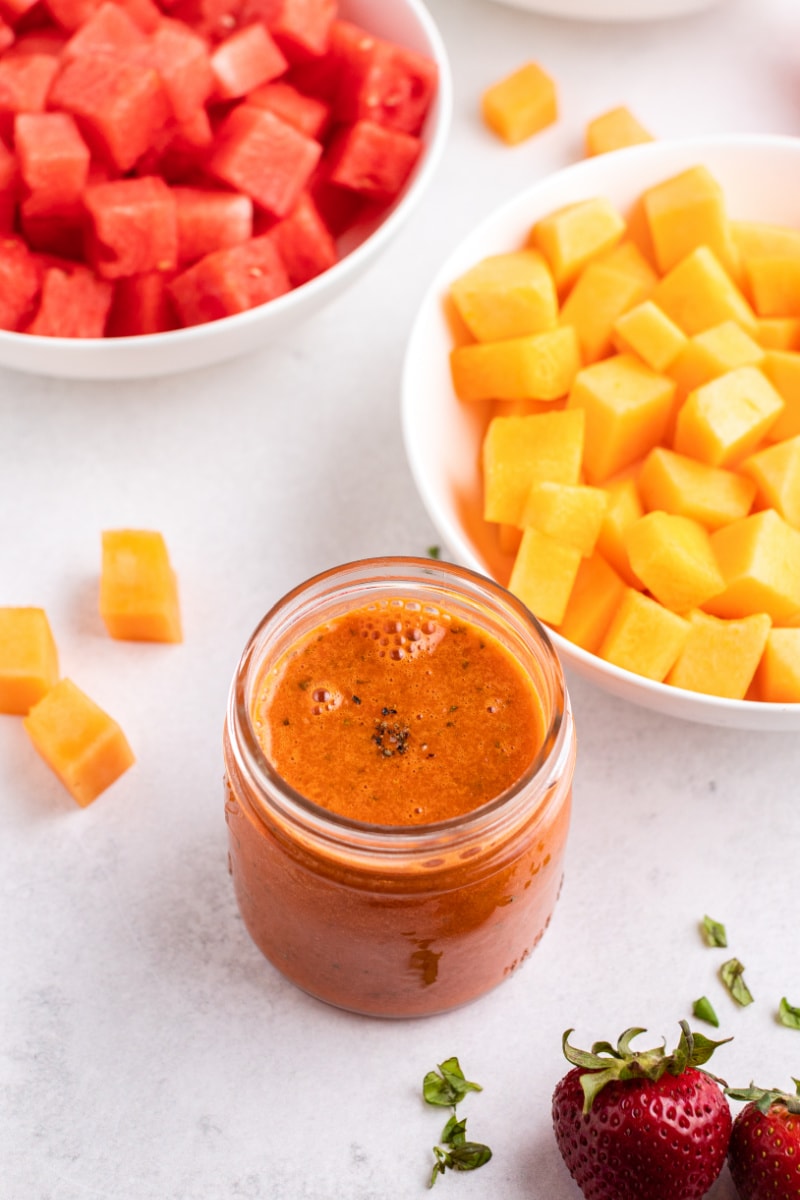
25	82
309	114
73	14
73	303
304	242
109	30
9	188
46	40
266	158
372	160
302	28
140	305
384	83
7	36
181	58
133	226
20	283
209	221
244	61
53	161
229	281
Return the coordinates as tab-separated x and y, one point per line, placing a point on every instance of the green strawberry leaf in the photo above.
732	975
714	932
703	1009
447	1086
788	1015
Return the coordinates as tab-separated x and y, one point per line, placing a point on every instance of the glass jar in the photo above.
398	921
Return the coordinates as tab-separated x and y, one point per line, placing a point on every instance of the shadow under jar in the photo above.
399	753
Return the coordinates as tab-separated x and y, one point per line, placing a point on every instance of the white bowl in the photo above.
406	22
760	176
612	10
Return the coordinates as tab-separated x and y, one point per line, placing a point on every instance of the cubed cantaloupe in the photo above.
571	513
519	451
643	636
778	674
673	557
684	212
782	369
521	104
573	235
543	575
773	284
138	587
28	658
760	239
623	507
598	297
626	256
614	130
759	557
595	597
82	744
677	484
627	408
647	331
775	470
778	333
723	421
711	353
540	366
506	296
698	294
720	657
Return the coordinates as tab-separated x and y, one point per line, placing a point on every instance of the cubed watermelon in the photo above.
72	14
182	60
109	30
7	36
372	160
384	83
53	161
73	303
245	60
229	281
302	28
179	151
140	305
309	114
25	82
304	242
259	154
133	226
56	235
45	40
20	283
9	188
211	19
13	10
209	221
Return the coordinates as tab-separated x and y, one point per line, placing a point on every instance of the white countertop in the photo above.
147	1050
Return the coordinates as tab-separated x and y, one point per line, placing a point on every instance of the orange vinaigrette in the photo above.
399	754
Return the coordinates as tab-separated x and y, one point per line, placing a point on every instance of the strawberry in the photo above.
764	1150
642	1125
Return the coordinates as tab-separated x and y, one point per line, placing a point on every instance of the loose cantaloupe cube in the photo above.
520	105
519	451
622	509
507	296
571	236
773	284
594	599
626	256
600	295
138	588
778	674
685	212
710	354
543	575
540	366
776	473
759	557
78	740
627	408
613	130
720	657
672	556
778	333
721	422
571	513
647	331
644	637
782	369
758	239
698	294
677	484
28	658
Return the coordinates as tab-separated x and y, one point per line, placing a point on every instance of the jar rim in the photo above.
385	574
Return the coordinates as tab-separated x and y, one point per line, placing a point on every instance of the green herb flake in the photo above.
714	932
732	975
446	1086
467	1156
788	1015
434	551
703	1009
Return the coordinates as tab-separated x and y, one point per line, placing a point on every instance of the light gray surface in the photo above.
147	1051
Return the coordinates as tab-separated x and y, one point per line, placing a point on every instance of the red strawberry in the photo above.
764	1150
642	1125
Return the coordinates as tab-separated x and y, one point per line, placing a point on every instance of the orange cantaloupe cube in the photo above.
519	451
698	294
521	104
627	257
506	296
571	513
723	421
643	636
759	239
673	557
599	296
782	369
712	353
720	657
687	211
677	484
759	557
771	279
80	742
138	588
28	658
623	507
627	408
778	674
543	575
778	333
613	130
648	332
775	470
595	597
573	235
541	366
